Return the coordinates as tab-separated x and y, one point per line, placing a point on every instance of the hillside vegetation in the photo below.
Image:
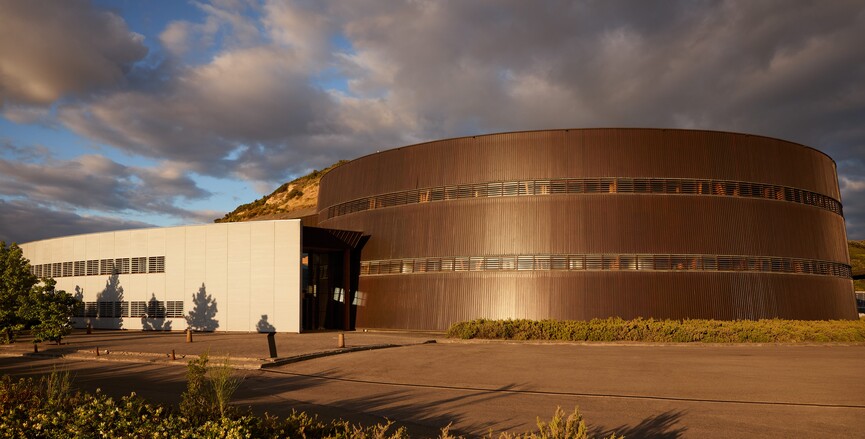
291	200
857	262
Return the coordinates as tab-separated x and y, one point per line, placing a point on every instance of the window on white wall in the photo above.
122	265
174	308
106	266
138	265
156	264
137	309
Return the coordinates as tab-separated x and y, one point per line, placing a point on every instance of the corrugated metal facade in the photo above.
609	222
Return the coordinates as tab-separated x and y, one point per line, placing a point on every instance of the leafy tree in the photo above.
48	311
25	301
16	283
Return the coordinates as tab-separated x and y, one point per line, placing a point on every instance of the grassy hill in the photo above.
291	200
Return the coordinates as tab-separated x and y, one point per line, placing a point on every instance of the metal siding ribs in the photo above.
454	221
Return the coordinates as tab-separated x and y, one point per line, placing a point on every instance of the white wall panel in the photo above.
175	264
91	245
248	270
66	251
138	242
238	283
261	295
122	245
195	263
106	245
79	245
216	276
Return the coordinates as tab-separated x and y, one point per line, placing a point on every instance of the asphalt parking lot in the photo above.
641	390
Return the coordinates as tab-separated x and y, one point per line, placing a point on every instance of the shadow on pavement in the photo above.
421	418
662	426
156	384
427	418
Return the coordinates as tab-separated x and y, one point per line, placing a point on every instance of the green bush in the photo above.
209	389
295	193
650	330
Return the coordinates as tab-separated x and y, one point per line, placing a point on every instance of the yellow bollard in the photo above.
340	340
189	335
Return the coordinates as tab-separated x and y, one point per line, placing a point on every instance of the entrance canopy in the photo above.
326	240
330	277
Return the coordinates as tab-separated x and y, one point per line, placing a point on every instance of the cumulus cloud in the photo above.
22	221
240	102
97	183
51	48
251	111
758	67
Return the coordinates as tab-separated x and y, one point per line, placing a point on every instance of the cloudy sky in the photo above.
120	114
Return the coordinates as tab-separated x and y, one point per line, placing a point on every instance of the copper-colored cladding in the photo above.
593	223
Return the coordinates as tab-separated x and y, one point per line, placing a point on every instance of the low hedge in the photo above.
650	330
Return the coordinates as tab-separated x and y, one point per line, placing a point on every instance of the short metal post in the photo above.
97	351
89	328
271	344
35	348
189	335
340	340
173	357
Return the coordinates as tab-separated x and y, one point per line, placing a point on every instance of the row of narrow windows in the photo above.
675	186
154	309
604	262
98	267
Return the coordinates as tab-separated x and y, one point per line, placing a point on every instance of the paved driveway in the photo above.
642	391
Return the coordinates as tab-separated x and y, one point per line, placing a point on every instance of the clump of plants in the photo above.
857	262
49	407
651	330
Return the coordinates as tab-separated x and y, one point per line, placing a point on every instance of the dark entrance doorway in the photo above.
331	264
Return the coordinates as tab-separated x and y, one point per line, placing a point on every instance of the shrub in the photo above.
209	389
650	330
295	193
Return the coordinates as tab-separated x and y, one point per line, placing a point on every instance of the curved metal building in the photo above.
585	223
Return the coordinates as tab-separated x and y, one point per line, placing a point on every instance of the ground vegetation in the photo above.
297	196
50	407
674	331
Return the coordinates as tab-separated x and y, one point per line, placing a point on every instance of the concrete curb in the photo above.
693	344
162	359
137	357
